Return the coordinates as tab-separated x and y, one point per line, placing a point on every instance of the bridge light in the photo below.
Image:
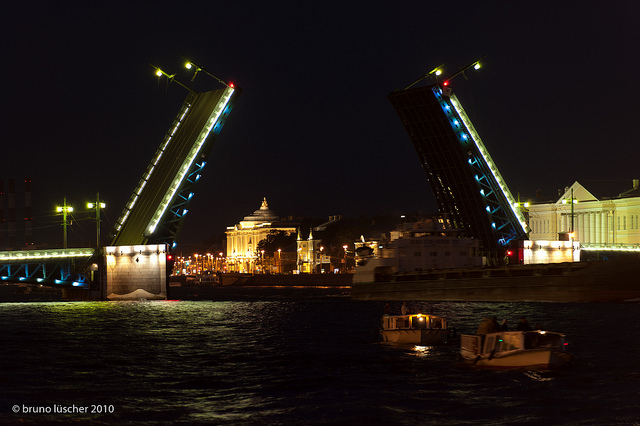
188	65
159	72
438	71
476	66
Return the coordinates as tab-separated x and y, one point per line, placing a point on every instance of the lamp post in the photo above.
573	201
97	205
345	258
279	262
64	209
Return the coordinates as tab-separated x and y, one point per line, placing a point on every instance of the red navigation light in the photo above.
445	83
231	85
169	257
509	253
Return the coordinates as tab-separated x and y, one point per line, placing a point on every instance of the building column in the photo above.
587	229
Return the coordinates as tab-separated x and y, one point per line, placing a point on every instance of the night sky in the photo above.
82	111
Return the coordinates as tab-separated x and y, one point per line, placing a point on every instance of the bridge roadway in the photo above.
163	178
52	267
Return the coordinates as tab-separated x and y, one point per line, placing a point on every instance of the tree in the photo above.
275	240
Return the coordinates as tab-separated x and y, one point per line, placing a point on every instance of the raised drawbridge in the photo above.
464	179
156	210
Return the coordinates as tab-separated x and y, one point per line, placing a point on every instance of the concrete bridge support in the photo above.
134	272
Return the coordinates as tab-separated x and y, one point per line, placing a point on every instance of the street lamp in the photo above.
64	209
97	205
345	258
573	201
279	262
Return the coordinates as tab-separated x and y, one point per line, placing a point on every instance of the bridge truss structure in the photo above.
52	267
465	181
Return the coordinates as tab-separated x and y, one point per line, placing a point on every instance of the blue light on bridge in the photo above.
488	209
446	107
190	195
184	212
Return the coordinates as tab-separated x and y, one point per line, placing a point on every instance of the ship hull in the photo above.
416	337
611	281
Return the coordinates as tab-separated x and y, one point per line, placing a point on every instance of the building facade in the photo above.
578	216
309	255
243	238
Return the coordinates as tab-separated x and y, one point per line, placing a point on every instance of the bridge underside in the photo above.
465	182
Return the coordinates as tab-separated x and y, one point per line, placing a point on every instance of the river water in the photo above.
300	356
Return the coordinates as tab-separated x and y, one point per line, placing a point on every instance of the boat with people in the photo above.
416	329
504	350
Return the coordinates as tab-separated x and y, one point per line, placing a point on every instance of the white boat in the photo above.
535	350
415	329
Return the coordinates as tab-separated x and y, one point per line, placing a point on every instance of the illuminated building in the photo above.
243	238
308	253
597	224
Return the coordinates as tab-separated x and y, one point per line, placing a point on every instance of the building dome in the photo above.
263	214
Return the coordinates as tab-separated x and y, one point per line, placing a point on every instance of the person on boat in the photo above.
505	325
405	309
387	308
488	325
523	325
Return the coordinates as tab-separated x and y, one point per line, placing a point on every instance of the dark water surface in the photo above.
301	356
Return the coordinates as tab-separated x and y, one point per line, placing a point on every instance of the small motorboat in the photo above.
504	350
416	329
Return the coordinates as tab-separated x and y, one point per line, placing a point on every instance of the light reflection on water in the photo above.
309	360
